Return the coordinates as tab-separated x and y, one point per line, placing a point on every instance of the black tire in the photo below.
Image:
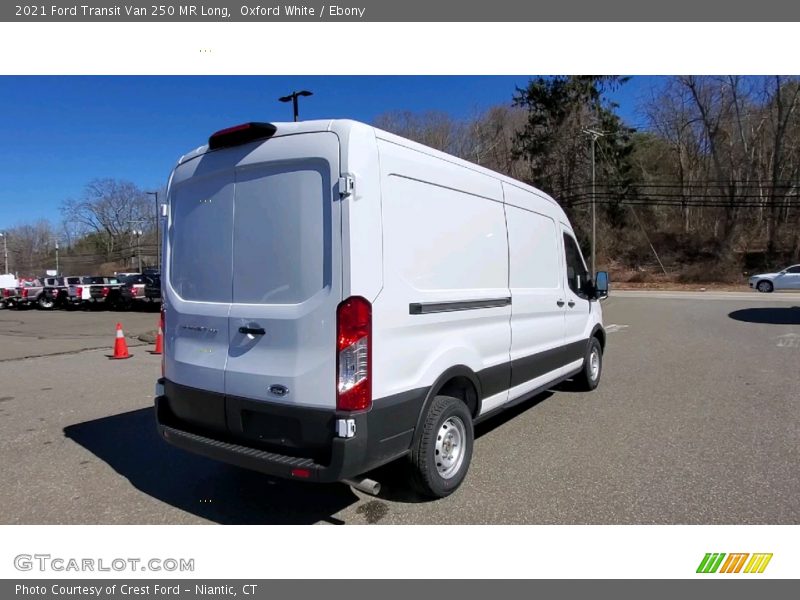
764	286
426	475
45	303
589	378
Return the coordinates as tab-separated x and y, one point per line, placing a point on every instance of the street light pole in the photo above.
138	234
57	271
158	233
293	99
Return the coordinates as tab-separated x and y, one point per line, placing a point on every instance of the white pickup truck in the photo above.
8	287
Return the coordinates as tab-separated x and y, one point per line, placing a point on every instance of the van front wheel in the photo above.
589	377
441	456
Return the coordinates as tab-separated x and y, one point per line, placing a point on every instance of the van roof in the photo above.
343	127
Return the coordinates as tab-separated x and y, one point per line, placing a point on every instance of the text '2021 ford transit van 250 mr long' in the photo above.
337	297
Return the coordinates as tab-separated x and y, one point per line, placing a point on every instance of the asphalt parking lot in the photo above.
696	421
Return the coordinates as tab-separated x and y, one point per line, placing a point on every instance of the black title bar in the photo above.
404	10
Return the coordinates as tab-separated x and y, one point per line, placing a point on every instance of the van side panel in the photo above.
445	300
537	312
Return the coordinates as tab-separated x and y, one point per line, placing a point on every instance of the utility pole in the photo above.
5	249
594	135
57	271
158	233
293	99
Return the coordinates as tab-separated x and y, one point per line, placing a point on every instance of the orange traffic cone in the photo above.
160	337
120	345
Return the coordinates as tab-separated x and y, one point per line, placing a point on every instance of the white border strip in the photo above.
280	552
398	48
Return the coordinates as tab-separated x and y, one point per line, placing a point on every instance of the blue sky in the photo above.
61	132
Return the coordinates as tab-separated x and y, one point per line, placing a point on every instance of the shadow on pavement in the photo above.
129	443
225	494
784	315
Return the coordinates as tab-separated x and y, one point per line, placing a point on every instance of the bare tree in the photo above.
108	207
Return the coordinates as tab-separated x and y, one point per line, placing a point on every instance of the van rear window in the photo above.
200	238
282	228
258	238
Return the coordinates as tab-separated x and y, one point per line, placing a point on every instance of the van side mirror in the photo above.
601	284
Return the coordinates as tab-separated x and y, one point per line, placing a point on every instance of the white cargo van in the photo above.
337	297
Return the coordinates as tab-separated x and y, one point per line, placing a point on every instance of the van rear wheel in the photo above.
589	377
441	456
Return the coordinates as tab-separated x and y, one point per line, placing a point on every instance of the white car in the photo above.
337	297
788	279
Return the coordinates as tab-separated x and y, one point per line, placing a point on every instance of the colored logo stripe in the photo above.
710	562
758	563
733	564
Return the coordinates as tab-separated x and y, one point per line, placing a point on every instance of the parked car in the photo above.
788	279
138	289
94	291
349	302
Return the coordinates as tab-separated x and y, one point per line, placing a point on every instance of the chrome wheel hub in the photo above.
594	365
449	451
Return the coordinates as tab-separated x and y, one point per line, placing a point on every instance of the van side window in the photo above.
577	274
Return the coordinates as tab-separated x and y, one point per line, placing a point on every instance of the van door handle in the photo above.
560	302
252	330
571	303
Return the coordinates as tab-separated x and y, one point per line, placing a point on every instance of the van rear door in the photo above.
199	278
286	282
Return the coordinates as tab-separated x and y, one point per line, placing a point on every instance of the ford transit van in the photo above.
337	297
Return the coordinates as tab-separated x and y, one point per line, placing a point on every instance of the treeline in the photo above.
111	227
704	187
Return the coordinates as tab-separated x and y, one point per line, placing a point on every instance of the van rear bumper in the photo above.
347	455
382	434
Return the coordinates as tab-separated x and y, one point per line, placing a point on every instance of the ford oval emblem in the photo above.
278	390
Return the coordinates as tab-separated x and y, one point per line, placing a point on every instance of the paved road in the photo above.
696	421
29	333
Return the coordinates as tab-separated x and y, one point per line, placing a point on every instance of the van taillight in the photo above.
354	354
